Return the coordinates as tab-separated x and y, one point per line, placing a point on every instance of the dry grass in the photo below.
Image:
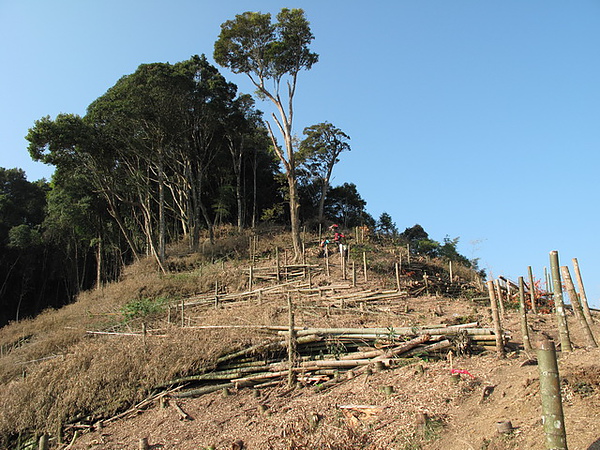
52	372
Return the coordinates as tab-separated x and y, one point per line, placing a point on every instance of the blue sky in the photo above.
478	120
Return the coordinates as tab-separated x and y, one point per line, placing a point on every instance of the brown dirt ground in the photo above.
460	418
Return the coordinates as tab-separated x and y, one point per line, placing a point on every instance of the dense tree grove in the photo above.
167	154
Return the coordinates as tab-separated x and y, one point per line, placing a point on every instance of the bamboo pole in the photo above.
450	271
182	313
397	277
582	295
43	442
587	332
292	344
561	317
552	411
277	264
499	297
216	294
524	326
532	290
365	266
496	319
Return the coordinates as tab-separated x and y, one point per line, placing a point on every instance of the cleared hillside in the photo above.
98	369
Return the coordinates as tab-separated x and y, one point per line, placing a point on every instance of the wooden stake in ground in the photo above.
561	317
591	342
43	442
552	411
500	300
365	266
532	290
524	327
291	344
397	277
582	296
496	319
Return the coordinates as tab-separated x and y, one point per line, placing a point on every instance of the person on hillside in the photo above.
339	238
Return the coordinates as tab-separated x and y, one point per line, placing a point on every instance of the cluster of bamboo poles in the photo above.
325	356
559	275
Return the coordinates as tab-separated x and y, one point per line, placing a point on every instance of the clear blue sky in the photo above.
478	120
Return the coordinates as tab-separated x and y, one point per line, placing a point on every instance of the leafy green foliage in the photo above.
143	308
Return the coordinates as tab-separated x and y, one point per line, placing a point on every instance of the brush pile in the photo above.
327	356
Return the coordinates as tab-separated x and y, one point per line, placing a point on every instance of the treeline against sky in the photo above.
166	154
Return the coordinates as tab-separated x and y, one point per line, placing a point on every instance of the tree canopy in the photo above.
271	52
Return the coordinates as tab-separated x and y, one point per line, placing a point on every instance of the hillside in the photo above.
90	370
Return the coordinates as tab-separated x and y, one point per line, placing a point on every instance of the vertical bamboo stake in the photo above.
327	262
524	326
216	294
144	334
548	283
353	274
303	253
343	263
320	232
397	277
251	276
561	317
277	264
450	271
182	313
532	290
408	254
582	295
365	266
577	309
143	444
291	344
496	319
499	294
552	411
43	442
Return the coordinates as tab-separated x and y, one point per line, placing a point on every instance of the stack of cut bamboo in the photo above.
326	356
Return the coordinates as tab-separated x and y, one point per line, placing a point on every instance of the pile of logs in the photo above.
327	356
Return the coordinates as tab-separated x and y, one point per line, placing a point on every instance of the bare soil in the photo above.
461	414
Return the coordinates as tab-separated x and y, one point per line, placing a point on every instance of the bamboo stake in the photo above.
524	326
277	264
216	294
532	290
552	411
582	295
500	299
591	342
182	313
292	344
365	266
397	277
43	442
496	319
561	317
353	274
